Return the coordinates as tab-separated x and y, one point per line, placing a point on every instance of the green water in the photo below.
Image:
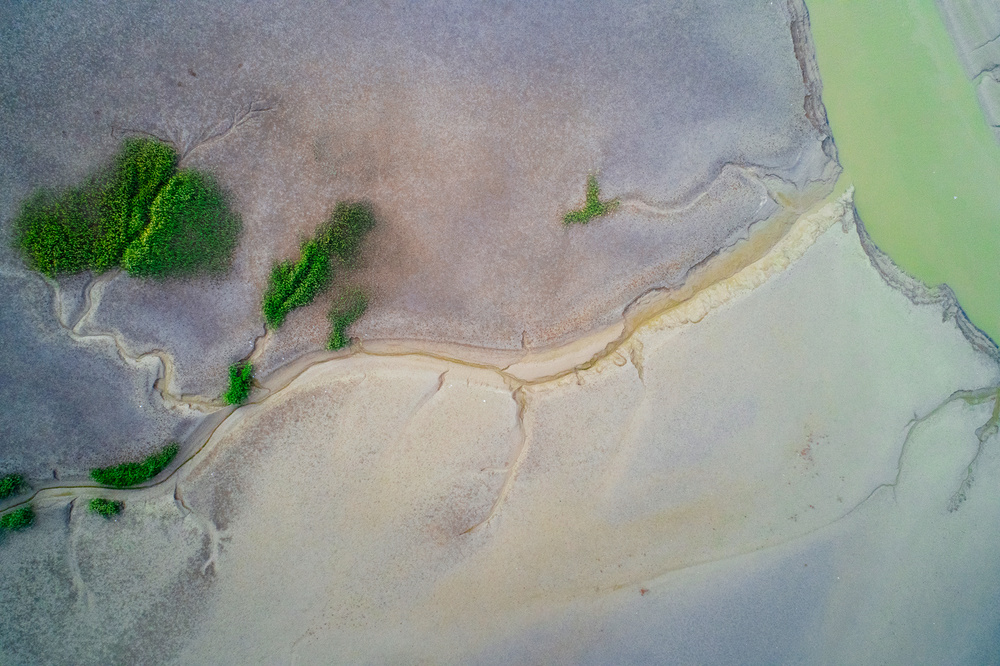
915	144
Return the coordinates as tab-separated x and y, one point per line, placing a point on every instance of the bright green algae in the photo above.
913	140
593	206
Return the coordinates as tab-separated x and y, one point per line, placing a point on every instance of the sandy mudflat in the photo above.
394	508
744	465
472	130
712	427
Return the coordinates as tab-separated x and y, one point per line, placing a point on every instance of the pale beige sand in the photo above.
413	509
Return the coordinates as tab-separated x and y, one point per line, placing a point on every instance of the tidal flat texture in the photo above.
472	130
397	509
701	427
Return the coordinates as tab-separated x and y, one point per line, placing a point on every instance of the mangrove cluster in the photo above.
141	214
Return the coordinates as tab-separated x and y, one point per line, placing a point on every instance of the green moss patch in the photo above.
56	231
130	474
17	519
140	214
240	379
345	311
141	170
593	206
106	507
11	485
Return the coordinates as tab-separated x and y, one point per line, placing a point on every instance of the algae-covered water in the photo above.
914	142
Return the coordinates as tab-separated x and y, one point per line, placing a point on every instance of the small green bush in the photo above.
593	206
11	485
346	228
130	474
240	378
190	230
294	284
345	312
17	519
106	507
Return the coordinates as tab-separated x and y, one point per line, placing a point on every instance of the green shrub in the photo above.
345	312
56	231
294	284
240	377
17	519
593	206
140	171
11	485
106	507
130	474
346	228
138	214
190	230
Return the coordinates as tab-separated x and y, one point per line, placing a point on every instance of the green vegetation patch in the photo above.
294	284
190	230
11	485
240	378
106	507
593	207
56	231
130	474
17	519
345	312
139	214
141	170
346	228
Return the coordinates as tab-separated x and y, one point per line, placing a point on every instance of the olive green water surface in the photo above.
915	144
